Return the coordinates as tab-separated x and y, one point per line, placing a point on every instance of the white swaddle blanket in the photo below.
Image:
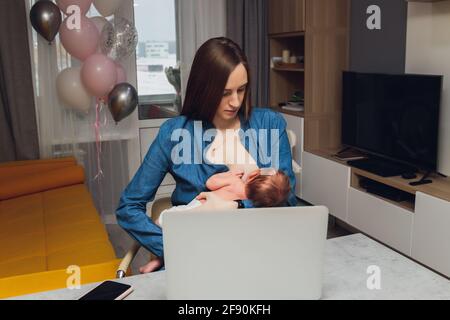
191	205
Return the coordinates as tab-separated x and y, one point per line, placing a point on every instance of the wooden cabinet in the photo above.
318	31
326	56
286	16
325	182
431	233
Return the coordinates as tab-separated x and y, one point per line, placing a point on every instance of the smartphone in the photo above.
108	290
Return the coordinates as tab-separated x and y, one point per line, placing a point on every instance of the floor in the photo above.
122	241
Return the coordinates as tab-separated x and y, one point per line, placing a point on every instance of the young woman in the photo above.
217	99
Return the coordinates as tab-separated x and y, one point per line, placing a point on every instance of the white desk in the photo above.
345	276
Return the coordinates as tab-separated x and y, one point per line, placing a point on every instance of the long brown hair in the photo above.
212	66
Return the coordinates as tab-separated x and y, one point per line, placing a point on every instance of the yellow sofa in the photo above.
48	223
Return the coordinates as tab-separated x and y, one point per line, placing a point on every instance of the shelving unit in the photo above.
285	80
321	36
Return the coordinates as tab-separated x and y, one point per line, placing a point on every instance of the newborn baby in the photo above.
264	187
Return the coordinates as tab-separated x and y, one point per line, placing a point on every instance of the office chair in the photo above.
164	203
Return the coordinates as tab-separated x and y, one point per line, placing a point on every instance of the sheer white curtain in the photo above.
198	21
64	132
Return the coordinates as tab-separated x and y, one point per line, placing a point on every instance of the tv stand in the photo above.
381	167
400	221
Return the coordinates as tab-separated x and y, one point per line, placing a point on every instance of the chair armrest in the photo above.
126	261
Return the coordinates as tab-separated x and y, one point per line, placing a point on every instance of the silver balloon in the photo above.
122	101
46	19
118	39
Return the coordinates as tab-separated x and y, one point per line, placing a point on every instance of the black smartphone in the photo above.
108	290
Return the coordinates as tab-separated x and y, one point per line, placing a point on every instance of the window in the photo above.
157	50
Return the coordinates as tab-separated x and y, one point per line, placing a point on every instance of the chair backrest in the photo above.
158	206
292	138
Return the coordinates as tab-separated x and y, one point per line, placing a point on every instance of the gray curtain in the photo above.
18	127
247	25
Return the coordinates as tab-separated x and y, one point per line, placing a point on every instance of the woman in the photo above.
217	99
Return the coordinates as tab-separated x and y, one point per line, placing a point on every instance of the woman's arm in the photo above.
132	212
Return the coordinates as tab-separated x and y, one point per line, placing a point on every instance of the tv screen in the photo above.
393	116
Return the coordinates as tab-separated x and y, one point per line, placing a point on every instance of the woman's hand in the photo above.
212	201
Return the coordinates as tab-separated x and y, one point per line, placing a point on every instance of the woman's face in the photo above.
233	95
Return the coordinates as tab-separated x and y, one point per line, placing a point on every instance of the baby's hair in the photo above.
268	191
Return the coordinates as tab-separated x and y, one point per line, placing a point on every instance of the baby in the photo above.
264	187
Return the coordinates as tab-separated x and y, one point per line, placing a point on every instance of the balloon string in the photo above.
105	118
98	137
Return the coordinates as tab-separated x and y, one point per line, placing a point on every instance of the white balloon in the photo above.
107	7
71	91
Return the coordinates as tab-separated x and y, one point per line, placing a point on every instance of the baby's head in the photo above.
267	188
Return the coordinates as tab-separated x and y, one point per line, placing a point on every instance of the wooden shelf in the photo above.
288	69
440	188
300	114
407	205
287	35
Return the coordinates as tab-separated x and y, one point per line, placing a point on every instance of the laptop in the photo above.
245	254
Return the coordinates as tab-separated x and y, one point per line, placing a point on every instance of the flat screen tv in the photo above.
393	116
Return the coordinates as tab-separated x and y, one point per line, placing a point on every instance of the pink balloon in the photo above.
99	74
121	73
83	4
81	42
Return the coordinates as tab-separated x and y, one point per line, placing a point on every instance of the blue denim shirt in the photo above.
191	178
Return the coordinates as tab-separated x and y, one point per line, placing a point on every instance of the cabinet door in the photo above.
325	182
431	233
380	219
286	16
147	136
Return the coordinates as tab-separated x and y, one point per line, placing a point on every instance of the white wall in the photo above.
428	52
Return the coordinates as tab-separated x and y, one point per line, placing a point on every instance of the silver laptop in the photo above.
245	254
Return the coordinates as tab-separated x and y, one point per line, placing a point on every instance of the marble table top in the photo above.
356	267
